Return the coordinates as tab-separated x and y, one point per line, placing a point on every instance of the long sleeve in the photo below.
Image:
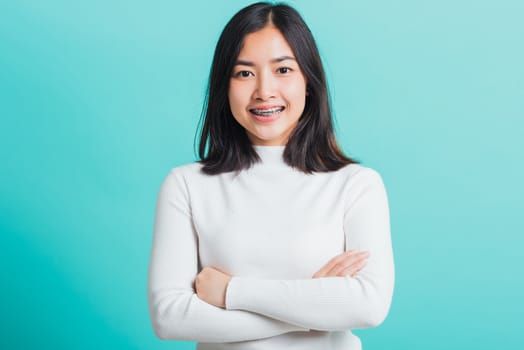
334	303
176	311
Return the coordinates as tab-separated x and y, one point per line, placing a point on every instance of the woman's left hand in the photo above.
211	284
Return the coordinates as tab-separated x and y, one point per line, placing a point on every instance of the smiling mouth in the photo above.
266	112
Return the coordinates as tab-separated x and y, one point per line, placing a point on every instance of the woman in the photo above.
275	239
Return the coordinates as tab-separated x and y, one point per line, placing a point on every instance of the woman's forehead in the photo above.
267	45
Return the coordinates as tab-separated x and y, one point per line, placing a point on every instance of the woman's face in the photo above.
267	90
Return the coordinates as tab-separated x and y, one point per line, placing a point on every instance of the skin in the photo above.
267	75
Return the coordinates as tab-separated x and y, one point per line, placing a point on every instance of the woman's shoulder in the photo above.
359	170
186	172
178	177
188	169
358	174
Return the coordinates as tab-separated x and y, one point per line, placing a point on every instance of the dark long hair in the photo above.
224	144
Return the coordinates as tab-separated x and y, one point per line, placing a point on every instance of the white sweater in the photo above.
271	227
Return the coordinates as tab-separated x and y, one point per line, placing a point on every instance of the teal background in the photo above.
98	100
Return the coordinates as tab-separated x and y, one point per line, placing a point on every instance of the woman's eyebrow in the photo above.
274	60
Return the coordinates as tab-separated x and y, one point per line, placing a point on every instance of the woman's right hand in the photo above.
345	264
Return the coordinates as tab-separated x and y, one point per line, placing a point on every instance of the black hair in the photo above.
224	145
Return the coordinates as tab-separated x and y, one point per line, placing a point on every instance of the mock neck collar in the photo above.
270	154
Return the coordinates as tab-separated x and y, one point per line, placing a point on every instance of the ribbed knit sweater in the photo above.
271	227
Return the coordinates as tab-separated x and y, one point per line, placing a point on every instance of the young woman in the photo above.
275	239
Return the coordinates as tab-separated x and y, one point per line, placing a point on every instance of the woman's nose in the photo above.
265	88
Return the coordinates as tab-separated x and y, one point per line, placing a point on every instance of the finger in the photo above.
329	265
348	262
353	270
354	262
333	262
327	270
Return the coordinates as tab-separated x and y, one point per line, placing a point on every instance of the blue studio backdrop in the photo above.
100	99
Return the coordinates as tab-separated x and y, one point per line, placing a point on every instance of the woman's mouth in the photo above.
267	112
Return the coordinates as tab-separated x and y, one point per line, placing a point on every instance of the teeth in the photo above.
266	112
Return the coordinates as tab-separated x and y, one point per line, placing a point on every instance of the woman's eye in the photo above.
284	70
243	74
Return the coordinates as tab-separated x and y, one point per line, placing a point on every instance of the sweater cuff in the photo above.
240	293
232	293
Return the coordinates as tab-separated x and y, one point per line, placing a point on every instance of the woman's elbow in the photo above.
163	313
375	313
166	325
375	317
368	314
375	305
160	333
159	325
167	330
